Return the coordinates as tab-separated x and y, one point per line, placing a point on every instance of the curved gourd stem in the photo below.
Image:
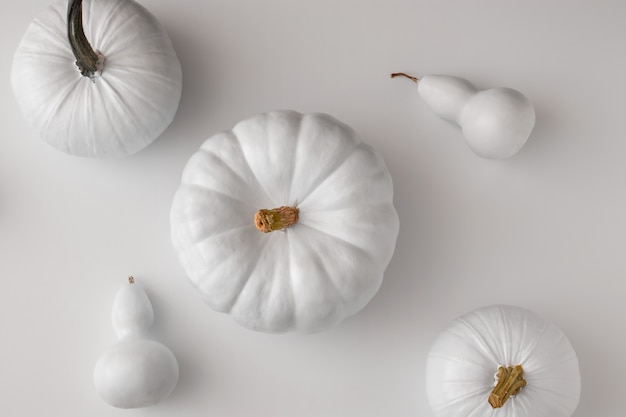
275	219
510	381
402	74
131	280
89	62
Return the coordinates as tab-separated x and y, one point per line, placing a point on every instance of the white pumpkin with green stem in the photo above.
496	122
502	361
136	371
108	102
325	200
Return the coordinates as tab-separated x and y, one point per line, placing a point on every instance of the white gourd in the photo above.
106	91
502	361
496	123
334	194
136	371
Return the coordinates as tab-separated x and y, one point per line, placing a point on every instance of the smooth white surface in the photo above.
496	122
544	230
134	371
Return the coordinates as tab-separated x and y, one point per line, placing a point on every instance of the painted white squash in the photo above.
496	122
136	371
130	89
480	348
312	274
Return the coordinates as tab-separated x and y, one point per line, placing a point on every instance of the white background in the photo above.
544	230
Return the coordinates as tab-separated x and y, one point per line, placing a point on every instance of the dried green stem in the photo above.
510	381
88	61
402	74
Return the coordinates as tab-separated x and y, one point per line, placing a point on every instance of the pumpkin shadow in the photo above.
404	299
193	117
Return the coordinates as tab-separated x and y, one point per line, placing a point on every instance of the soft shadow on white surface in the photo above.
543	230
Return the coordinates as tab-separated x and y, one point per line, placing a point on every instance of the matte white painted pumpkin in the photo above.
333	199
496	122
502	361
136	371
109	102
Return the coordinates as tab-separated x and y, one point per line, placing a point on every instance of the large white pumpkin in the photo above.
114	109
312	274
502	361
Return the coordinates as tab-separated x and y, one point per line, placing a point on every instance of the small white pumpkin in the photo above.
314	171
136	371
502	361
108	102
496	122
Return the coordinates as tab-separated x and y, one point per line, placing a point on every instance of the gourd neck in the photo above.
275	219
510	382
405	75
132	313
90	62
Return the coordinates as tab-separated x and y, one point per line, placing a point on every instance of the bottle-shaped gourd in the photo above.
496	122
136	371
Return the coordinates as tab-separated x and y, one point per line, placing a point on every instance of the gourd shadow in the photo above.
541	143
192	377
542	146
407	289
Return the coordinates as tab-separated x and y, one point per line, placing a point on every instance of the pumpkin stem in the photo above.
88	61
131	280
510	381
275	219
402	74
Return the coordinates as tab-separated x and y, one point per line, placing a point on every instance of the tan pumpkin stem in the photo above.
131	280
88	61
510	382
275	219
402	74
